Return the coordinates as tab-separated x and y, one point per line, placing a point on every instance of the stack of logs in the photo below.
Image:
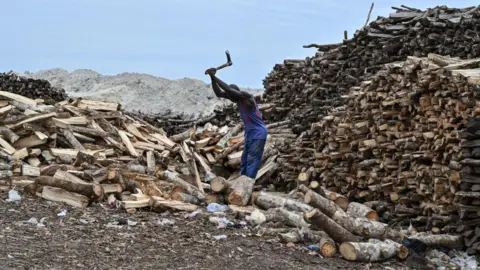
31	88
396	145
306	90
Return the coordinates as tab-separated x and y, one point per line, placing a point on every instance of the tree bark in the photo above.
333	229
92	191
267	201
360	210
372	251
189	189
288	218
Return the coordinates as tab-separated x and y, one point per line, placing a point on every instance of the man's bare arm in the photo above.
234	94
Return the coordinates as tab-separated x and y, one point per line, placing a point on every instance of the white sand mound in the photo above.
137	91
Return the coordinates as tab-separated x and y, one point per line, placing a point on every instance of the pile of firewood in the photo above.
31	88
81	151
306	90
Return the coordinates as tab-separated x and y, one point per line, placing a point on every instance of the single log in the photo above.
161	205
372	251
328	248
183	136
8	134
444	240
240	190
92	191
183	197
219	184
378	206
339	199
327	206
112	188
333	229
267	201
287	217
72	140
128	144
360	210
189	189
61	195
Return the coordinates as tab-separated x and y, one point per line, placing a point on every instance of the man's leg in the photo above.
243	165
254	158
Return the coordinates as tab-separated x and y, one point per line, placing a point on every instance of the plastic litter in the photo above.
62	213
13	196
313	247
221	222
216	208
463	260
256	217
131	223
220	236
209	176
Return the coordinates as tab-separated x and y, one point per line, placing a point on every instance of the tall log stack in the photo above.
399	140
306	90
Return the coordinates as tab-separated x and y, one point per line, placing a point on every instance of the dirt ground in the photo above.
101	238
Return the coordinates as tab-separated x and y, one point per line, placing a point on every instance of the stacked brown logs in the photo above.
31	88
398	140
306	90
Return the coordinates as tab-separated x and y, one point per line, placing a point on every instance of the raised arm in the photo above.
234	94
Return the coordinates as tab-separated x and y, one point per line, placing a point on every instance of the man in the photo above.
255	129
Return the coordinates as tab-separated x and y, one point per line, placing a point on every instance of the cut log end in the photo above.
348	251
327	247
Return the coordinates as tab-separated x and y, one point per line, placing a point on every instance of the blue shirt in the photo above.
252	119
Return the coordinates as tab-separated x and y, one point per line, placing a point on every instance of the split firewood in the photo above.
91	191
63	196
214	198
183	197
373	251
161	205
189	189
219	184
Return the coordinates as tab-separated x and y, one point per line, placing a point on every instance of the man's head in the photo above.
234	86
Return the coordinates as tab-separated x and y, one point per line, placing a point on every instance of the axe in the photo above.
227	64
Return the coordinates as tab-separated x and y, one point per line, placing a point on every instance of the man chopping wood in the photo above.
255	129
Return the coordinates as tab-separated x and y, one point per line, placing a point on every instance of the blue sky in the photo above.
178	38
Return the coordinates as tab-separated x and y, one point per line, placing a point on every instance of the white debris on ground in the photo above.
136	91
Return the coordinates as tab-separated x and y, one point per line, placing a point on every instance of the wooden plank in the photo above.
28	170
98	105
164	140
128	144
33	119
7	147
202	161
77	120
133	129
20	154
149	145
6	109
210	158
19	98
235	155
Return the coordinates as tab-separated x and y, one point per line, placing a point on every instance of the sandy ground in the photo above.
98	238
137	91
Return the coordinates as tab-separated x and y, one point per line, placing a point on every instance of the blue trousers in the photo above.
252	157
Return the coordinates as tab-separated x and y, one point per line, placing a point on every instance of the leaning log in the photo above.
333	229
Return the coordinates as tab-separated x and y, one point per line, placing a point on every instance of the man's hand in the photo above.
211	71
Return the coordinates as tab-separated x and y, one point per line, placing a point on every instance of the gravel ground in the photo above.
99	238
